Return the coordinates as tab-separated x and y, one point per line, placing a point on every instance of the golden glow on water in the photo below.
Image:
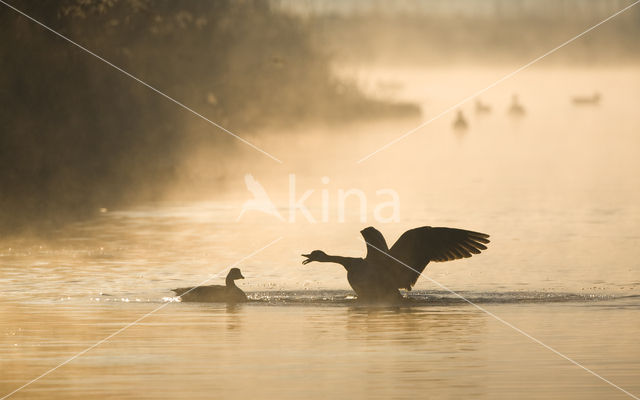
258	351
558	191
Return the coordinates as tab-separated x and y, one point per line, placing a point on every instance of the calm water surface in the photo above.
558	190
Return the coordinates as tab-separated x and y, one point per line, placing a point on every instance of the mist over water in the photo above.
563	173
556	187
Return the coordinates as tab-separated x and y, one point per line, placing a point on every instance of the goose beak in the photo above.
308	260
241	277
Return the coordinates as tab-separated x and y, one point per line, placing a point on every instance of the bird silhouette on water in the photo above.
587	100
215	293
460	123
482	108
378	276
516	109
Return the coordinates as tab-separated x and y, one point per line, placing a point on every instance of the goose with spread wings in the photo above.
383	271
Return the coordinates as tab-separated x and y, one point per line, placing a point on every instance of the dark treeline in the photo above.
77	135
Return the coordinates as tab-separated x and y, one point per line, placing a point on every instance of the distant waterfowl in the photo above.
383	271
482	108
215	293
460	122
516	109
594	99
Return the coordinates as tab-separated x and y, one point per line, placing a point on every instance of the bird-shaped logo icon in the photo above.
260	201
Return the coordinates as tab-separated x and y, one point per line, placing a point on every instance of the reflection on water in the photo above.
270	351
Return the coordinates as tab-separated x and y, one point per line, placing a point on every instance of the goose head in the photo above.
234	273
316	255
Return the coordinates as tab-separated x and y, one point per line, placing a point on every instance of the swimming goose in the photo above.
516	109
587	100
482	108
383	271
215	293
460	123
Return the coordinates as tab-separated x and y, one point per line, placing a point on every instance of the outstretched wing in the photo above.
416	247
376	246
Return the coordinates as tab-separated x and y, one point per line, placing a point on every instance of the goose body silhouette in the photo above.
460	123
482	108
378	276
516	109
587	100
229	293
